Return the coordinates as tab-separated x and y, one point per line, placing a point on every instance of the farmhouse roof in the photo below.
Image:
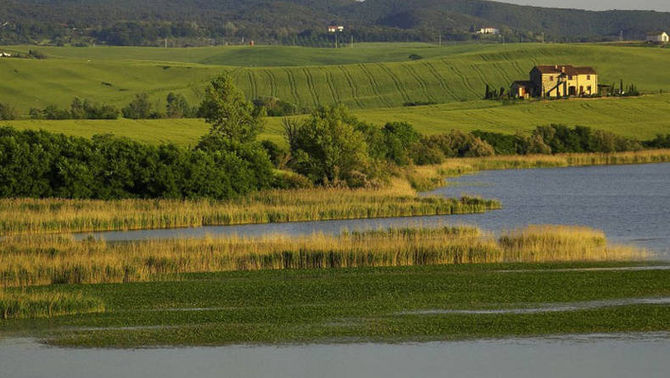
568	69
524	83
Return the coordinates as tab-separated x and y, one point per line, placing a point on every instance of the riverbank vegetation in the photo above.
62	215
57	259
430	176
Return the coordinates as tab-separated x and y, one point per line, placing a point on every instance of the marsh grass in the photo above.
61	215
18	305
51	259
431	176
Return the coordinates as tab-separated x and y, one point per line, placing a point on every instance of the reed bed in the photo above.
61	215
20	305
428	177
51	259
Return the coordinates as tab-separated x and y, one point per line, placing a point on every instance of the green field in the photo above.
640	118
382	75
365	304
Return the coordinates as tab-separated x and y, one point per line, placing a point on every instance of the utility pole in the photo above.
621	36
352	41
166	43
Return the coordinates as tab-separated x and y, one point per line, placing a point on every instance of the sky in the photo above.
658	5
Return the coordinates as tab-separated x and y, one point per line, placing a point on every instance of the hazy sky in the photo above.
659	5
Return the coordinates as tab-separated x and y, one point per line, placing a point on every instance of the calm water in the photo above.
631	203
593	356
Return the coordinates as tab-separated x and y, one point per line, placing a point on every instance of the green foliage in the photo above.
328	149
139	108
399	137
79	109
178	107
661	141
42	164
453	144
228	111
7	112
275	107
279	155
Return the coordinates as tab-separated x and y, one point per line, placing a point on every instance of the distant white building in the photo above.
658	37
335	28
5	54
488	30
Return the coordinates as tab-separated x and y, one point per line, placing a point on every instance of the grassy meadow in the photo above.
639	118
361	77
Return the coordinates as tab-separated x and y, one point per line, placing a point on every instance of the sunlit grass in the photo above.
18	305
53	259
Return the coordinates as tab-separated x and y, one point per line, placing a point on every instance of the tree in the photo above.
177	106
139	108
228	111
327	148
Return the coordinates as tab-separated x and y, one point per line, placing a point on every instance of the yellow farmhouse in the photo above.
558	81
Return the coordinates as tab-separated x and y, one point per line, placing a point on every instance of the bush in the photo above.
275	107
139	108
290	180
278	155
7	112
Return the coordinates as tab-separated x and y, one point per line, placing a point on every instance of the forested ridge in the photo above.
190	22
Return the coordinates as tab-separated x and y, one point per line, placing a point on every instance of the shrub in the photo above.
7	112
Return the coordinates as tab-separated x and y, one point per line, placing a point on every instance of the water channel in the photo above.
631	203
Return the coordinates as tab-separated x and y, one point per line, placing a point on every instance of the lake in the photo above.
593	356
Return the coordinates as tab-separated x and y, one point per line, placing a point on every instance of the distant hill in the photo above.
130	22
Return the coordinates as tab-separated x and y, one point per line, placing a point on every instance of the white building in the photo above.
4	54
658	37
335	28
488	30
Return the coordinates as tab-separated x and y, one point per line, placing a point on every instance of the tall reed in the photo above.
52	259
60	215
428	177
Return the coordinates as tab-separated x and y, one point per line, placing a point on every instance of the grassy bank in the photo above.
54	259
431	176
61	215
354	305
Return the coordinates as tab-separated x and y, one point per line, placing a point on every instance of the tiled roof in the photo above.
568	69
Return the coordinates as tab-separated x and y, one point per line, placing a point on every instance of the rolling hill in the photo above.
447	74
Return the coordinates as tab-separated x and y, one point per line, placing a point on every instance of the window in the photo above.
569	77
588	89
588	77
551	78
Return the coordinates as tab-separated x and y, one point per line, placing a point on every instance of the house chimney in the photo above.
563	69
556	67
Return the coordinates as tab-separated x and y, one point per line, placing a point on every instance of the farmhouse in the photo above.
658	37
488	30
5	54
557	81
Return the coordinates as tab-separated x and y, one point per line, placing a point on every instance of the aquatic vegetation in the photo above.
17	305
27	260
